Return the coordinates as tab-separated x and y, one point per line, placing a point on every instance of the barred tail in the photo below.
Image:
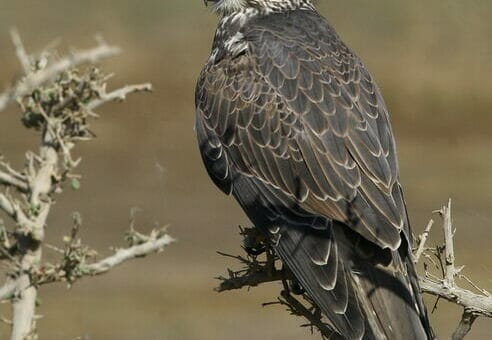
364	292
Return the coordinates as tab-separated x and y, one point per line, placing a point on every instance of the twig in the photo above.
252	279
7	206
423	240
123	255
8	289
257	272
20	51
465	325
9	180
153	245
313	315
119	95
56	100
5	320
471	283
449	244
476	303
34	80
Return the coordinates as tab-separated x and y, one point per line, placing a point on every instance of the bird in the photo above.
291	123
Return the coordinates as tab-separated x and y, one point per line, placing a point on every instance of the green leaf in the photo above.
75	184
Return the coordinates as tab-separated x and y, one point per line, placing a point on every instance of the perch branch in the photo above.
255	272
252	279
311	314
475	303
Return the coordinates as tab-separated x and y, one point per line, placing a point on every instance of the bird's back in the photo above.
292	124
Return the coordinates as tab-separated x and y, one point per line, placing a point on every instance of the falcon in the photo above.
291	123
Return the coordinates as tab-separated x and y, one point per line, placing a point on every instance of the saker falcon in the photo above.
291	123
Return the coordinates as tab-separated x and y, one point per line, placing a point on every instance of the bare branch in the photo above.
119	94
20	51
471	283
56	100
311	314
9	180
7	206
153	245
8	289
449	244
23	320
238	281
465	325
259	268
423	240
34	80
476	303
256	272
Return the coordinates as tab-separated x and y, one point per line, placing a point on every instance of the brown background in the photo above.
433	60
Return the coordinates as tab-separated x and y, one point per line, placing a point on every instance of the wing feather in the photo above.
301	113
298	131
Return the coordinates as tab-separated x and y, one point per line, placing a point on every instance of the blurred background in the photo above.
433	60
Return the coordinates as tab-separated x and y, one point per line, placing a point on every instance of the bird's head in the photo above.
225	7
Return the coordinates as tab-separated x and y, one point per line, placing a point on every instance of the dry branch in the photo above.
36	79
259	267
256	272
474	304
157	242
422	241
57	101
464	326
9	180
252	279
20	50
123	255
478	304
119	94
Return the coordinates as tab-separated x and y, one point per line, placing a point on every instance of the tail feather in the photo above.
326	282
365	292
374	293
